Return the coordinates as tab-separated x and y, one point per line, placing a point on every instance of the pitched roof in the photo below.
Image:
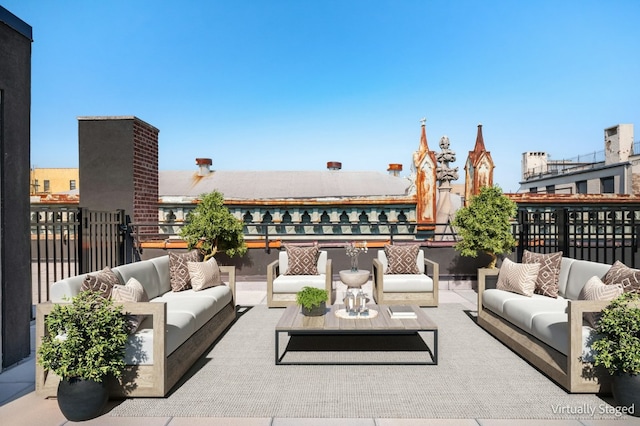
259	185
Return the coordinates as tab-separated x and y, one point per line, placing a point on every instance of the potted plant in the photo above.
485	225
313	301
84	342
617	349
212	228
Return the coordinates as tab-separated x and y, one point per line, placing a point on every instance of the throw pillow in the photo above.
204	274
402	258
102	282
302	260
518	277
133	291
619	273
179	271
547	280
595	289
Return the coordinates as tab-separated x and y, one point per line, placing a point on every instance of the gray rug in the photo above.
476	377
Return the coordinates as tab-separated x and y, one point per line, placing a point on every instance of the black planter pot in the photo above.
81	399
316	311
626	392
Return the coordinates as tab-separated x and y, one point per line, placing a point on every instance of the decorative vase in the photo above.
81	399
354	263
626	392
316	311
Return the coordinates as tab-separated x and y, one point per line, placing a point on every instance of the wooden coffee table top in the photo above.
292	320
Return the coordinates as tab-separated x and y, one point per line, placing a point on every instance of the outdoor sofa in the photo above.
177	327
551	333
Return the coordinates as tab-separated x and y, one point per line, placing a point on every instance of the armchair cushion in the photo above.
547	280
402	259
302	260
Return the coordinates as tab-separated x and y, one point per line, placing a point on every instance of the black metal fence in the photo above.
67	241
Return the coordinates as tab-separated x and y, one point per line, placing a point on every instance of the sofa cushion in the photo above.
552	328
547	280
402	259
161	264
133	291
145	272
179	271
579	273
204	274
407	283
302	260
520	312
101	281
518	278
66	288
595	289
619	273
294	283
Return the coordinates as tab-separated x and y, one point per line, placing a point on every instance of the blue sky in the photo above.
292	84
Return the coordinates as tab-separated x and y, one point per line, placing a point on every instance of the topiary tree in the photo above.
211	228
484	225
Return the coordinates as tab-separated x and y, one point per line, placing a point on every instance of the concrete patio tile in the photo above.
528	422
14	390
622	421
220	421
426	422
106	420
322	422
31	410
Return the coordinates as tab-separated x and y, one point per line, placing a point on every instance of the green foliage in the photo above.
85	338
211	228
618	348
310	297
484	225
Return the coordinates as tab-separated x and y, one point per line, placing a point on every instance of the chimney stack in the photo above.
204	166
394	169
334	165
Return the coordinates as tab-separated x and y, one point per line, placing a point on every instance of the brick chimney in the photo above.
394	169
204	166
334	165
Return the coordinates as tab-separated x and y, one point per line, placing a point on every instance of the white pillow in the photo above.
204	274
518	277
133	291
595	289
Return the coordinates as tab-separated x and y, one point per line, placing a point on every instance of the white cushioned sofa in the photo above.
551	333
177	327
283	284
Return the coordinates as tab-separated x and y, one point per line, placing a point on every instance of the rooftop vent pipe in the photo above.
394	169
334	165
204	166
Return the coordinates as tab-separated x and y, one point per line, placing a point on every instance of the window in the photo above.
581	187
46	185
551	189
533	190
72	184
607	185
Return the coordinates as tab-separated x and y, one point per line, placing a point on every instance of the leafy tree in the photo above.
212	228
484	224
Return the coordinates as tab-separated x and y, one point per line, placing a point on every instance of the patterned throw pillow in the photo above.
179	271
518	277
619	273
402	259
595	289
302	260
204	274
547	281
133	291
101	282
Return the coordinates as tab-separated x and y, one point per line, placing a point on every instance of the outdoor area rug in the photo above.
477	377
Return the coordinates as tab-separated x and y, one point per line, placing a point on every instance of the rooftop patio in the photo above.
20	405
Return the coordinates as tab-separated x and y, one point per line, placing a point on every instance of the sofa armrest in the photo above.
483	273
231	272
273	270
329	280
378	271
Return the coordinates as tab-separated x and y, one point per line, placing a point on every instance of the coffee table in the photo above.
382	326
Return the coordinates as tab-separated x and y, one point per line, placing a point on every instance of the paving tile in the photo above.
219	421
14	390
622	421
528	422
107	420
31	410
322	422
426	422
